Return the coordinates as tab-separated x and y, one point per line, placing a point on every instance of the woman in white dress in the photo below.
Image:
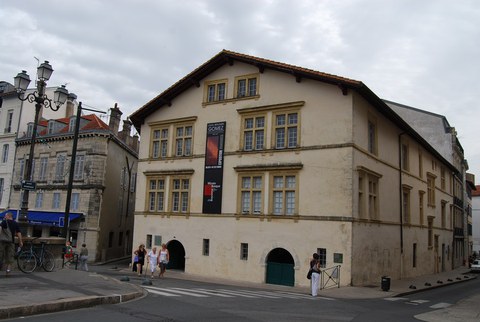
153	260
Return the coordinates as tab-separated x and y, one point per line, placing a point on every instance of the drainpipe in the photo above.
401	200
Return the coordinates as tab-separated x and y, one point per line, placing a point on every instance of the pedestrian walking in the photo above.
140	253
9	229
163	259
315	266
153	260
84	258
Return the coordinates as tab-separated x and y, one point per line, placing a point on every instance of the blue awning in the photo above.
45	218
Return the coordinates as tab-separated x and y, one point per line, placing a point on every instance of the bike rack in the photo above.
73	260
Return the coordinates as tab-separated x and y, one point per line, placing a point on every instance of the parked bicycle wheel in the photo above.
27	261
48	261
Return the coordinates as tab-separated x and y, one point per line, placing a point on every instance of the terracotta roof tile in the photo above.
476	193
95	123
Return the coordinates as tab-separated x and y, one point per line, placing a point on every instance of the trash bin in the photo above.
385	283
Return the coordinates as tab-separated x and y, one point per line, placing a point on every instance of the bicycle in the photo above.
29	259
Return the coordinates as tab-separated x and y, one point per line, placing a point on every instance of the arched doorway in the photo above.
177	255
280	265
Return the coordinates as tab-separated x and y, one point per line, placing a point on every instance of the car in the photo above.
475	266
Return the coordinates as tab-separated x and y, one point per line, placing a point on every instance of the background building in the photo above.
16	119
476	220
436	130
247	166
9	118
103	194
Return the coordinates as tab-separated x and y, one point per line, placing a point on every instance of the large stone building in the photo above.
103	194
247	166
16	119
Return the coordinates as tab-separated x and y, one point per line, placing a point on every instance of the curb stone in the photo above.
67	304
402	294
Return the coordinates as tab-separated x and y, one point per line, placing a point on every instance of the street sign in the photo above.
29	185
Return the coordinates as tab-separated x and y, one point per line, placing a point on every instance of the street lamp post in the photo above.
21	81
72	167
72	171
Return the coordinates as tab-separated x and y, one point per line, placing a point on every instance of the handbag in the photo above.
309	274
6	234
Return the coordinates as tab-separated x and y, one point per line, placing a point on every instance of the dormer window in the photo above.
29	130
246	86
51	127
216	91
71	125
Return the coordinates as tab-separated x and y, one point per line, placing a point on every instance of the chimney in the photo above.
70	104
115	115
127	127
125	133
135	143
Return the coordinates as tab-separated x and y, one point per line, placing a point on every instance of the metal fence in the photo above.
330	277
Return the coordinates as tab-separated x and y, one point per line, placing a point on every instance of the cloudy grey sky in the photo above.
423	54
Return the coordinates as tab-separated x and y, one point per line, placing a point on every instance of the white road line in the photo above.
169	291
183	292
303	296
440	305
201	292
393	299
268	295
209	292
230	292
160	293
420	301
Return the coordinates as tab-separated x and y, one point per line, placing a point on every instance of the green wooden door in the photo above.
280	274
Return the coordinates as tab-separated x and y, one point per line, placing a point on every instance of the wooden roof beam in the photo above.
344	89
194	82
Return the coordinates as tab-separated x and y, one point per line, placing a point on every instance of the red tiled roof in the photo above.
476	193
94	123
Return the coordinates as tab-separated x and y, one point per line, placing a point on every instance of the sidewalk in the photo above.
65	289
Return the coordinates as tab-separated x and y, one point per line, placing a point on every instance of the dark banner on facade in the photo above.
213	177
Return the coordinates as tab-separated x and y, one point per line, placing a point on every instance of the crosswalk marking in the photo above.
304	296
226	293
238	294
261	294
211	292
440	305
393	299
183	292
151	290
420	301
